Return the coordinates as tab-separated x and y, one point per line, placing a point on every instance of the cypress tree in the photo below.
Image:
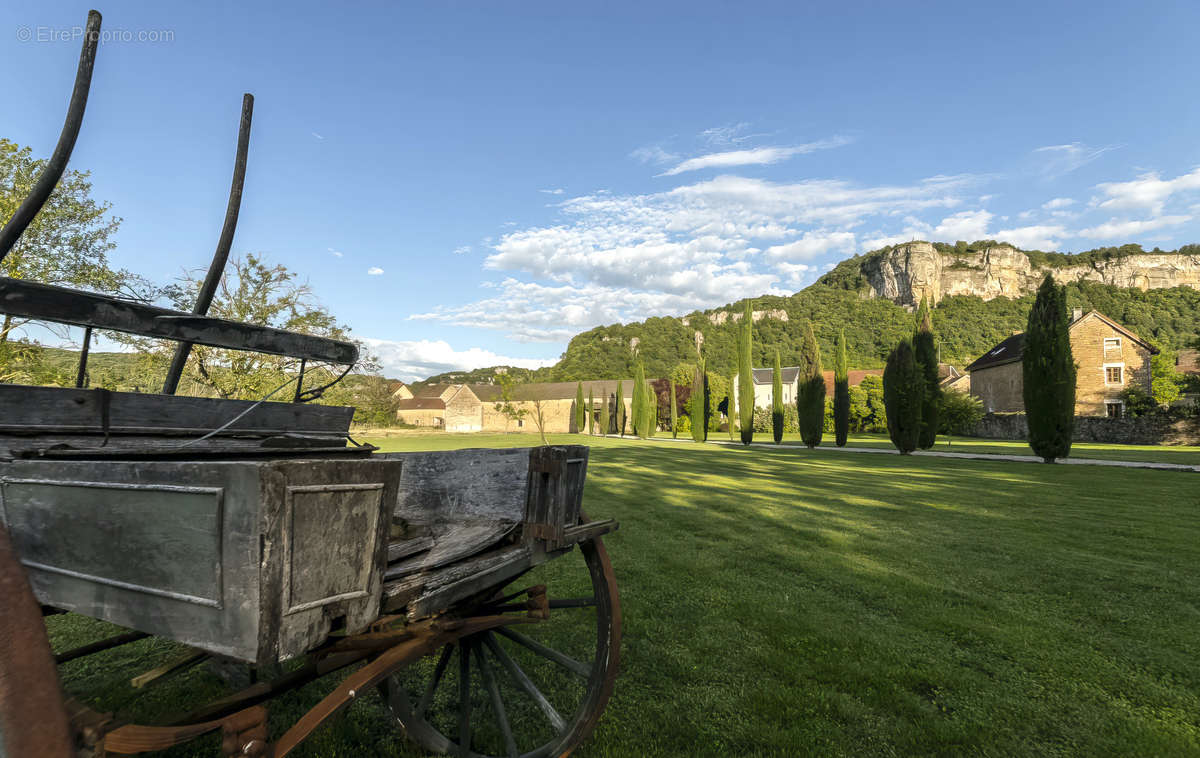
674	413
649	409
746	375
925	348
903	397
810	400
636	411
731	406
696	404
591	411
620	410
707	406
1048	371
579	409
841	394
605	418
777	401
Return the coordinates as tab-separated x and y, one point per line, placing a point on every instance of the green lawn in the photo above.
784	602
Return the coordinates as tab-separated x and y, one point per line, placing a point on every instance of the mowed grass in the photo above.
784	602
1188	455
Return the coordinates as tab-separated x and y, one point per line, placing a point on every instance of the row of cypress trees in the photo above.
911	393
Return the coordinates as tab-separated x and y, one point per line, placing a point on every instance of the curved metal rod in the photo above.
46	183
208	289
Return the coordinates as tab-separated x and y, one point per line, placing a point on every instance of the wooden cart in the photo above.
259	535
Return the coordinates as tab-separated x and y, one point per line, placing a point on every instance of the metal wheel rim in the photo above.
601	680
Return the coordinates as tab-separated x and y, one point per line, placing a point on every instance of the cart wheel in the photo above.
531	691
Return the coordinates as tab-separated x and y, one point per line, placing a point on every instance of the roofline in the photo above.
1123	330
994	364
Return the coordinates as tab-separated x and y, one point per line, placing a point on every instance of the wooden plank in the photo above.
25	409
69	306
168	669
555	492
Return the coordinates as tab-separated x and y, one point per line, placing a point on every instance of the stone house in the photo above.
453	407
1108	358
557	402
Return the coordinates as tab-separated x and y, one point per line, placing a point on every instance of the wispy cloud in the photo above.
1057	203
759	156
653	154
1037	237
374	271
334	253
1056	160
1114	229
462	249
418	359
729	135
1147	192
555	191
318	136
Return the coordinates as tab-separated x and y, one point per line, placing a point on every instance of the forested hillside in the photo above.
966	328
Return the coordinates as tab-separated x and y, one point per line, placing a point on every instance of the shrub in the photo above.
1138	402
958	413
1048	372
903	396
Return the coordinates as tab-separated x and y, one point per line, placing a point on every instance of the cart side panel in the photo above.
325	527
168	548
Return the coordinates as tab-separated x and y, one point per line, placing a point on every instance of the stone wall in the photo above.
463	412
1153	429
999	388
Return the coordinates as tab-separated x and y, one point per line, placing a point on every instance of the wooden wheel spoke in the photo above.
464	699
566	661
489	682
438	671
573	602
519	676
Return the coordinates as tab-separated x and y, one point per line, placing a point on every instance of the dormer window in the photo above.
1112	345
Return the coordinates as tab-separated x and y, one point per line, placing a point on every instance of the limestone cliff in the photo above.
906	273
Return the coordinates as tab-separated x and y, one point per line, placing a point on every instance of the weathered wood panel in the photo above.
69	306
254	560
37	410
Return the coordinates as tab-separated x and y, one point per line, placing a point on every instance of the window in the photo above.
1114	374
1112	343
1113	408
520	423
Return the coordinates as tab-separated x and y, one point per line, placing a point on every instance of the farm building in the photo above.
1109	358
473	407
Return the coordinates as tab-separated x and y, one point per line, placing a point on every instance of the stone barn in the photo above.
1109	358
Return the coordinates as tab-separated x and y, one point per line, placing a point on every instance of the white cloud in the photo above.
812	245
1057	203
653	154
411	361
796	275
1041	237
374	271
334	253
1057	160
462	249
965	225
759	156
1148	191
1114	229
318	136
723	136
555	191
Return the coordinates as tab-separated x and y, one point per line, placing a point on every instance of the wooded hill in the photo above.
966	327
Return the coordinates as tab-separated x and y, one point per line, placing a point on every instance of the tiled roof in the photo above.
421	404
854	378
787	374
491	393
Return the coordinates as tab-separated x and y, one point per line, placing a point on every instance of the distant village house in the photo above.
473	407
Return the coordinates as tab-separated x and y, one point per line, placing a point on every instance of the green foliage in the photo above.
605	417
1138	402
764	420
649	410
1166	383
637	406
777	401
868	412
959	412
810	398
674	413
682	374
925	348
685	425
746	375
591	413
841	394
904	397
697	408
1048	373
731	411
580	411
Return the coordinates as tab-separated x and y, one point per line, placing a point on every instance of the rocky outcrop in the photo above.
721	317
907	273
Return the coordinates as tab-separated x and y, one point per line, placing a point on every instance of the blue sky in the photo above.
471	184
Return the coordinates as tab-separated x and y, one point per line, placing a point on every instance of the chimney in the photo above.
1076	314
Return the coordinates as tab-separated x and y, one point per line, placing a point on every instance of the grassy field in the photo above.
784	602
